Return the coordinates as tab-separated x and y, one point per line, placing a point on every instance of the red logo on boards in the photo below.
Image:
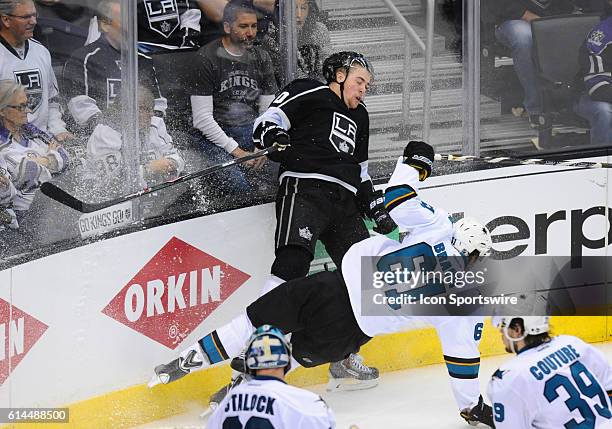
174	292
18	333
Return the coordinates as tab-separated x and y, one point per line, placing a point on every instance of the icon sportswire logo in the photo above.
174	293
18	333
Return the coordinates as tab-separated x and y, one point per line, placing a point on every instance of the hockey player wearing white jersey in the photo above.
552	383
30	154
28	62
159	158
323	311
266	400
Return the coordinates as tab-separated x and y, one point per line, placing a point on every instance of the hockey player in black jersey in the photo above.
324	187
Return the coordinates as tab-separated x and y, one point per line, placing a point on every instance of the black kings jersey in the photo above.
234	82
164	24
92	79
329	141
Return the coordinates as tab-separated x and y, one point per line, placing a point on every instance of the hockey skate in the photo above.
176	369
351	374
481	413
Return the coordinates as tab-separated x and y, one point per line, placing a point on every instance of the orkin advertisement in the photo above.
115	309
174	292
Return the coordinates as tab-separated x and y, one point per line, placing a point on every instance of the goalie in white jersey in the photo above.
323	311
552	383
266	400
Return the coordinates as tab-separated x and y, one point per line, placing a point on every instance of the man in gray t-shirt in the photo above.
235	83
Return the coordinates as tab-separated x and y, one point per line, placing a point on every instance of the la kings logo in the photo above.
113	89
343	133
32	80
163	16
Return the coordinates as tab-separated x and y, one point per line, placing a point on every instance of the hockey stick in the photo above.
516	161
59	195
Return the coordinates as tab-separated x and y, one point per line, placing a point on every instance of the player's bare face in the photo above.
16	114
356	85
243	30
22	21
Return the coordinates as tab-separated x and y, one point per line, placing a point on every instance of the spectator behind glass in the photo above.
235	82
595	103
314	43
513	30
8	219
159	159
62	27
92	76
163	26
29	63
30	154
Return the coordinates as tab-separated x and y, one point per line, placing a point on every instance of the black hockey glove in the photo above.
379	214
372	204
268	133
419	155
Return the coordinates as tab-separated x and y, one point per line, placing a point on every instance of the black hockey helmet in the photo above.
345	60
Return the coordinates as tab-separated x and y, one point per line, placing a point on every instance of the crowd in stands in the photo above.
60	92
592	95
207	68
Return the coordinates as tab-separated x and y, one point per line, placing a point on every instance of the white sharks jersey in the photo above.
32	68
429	232
267	402
562	383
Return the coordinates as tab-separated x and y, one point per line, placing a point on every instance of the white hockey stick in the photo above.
516	161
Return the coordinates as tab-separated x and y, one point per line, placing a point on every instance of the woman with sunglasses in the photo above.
31	155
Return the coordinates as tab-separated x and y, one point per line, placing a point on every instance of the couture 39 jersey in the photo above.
329	141
267	402
561	383
32	68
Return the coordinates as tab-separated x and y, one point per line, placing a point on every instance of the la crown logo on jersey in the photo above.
163	16
174	293
32	80
343	133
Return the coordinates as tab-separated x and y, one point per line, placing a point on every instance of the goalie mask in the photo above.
471	236
266	349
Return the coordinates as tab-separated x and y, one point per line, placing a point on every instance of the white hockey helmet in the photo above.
267	348
534	325
470	235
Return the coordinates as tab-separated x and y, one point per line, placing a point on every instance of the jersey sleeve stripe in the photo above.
463	368
318	88
211	345
395	195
